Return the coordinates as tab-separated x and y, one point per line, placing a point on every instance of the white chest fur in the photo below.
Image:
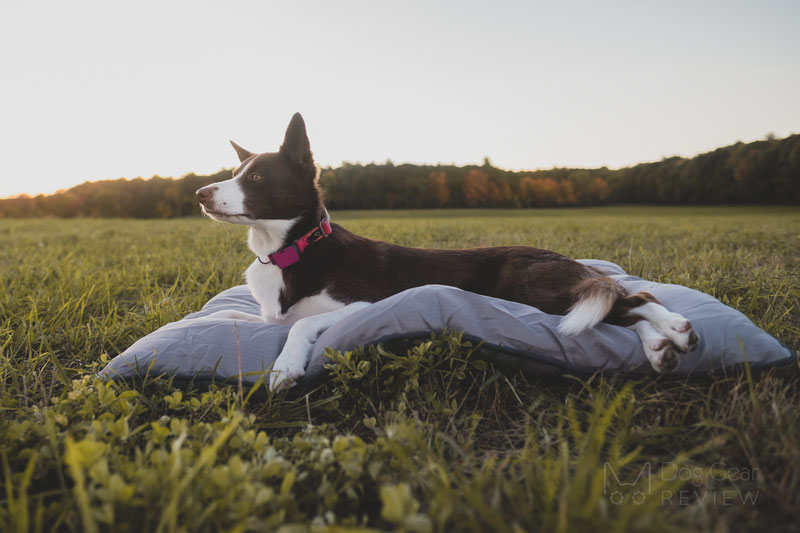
266	284
266	281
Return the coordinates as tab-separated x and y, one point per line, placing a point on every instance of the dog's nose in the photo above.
205	193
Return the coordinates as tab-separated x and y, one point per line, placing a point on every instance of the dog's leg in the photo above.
292	361
659	349
643	313
232	315
671	325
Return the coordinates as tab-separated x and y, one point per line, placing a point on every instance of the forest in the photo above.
761	172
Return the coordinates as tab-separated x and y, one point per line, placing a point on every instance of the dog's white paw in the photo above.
678	330
659	348
661	353
289	366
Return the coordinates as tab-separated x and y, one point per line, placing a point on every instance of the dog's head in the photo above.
268	186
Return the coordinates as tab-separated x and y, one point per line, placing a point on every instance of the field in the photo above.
431	440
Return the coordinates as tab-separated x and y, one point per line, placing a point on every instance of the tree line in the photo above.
761	172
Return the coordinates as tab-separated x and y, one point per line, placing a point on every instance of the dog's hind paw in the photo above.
658	348
678	330
663	355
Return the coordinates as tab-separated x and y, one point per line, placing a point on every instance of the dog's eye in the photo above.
255	177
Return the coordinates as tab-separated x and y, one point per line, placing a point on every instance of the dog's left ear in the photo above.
295	145
241	152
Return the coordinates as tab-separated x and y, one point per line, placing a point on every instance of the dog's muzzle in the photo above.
206	196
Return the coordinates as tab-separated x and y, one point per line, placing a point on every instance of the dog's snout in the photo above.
206	193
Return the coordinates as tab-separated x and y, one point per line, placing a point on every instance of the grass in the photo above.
414	436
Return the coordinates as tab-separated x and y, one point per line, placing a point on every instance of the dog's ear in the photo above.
241	152
296	147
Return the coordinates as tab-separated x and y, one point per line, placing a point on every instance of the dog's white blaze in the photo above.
229	197
244	169
586	313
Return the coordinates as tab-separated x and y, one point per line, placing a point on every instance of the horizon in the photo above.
108	90
396	163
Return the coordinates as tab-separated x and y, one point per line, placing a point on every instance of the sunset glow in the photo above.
100	90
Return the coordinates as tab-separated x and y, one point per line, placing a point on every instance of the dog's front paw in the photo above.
289	367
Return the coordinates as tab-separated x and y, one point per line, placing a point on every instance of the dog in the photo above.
310	273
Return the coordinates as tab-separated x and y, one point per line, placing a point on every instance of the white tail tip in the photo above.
586	314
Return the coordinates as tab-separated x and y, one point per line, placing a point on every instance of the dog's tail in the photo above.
594	298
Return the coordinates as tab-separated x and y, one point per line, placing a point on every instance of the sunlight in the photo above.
110	90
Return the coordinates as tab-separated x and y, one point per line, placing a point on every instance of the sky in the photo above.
107	89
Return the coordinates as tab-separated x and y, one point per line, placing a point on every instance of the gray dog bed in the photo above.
520	335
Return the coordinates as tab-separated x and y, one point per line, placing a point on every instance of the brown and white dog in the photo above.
310	273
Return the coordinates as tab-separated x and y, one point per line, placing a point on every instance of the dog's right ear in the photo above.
241	152
296	147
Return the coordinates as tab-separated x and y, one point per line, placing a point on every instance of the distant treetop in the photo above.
761	172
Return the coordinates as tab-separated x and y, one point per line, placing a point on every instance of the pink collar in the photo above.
290	255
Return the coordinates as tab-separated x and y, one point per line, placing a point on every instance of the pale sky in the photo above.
106	89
